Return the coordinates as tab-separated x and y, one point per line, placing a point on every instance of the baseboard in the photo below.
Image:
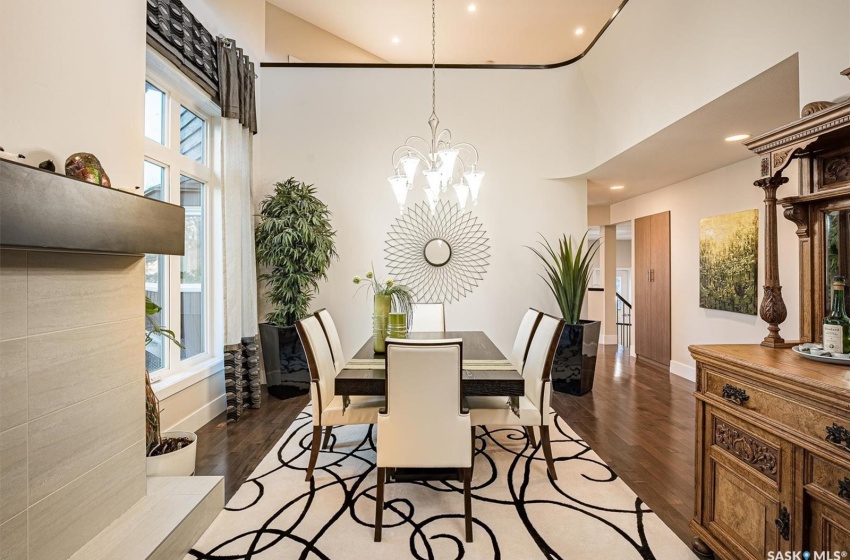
203	415
608	339
682	370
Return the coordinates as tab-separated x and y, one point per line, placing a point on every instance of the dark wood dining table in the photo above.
476	346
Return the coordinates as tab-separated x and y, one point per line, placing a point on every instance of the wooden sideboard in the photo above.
772	453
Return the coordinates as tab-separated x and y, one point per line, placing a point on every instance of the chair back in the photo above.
332	335
523	337
428	317
321	364
425	424
538	363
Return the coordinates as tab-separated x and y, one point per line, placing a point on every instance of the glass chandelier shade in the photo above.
443	163
400	187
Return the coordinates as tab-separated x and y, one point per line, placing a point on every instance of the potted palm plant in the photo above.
295	242
172	453
568	276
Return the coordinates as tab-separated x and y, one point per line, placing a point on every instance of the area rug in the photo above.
519	511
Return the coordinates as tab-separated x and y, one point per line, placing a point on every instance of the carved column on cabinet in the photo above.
799	215
772	310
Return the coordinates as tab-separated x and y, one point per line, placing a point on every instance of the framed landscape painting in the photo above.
728	262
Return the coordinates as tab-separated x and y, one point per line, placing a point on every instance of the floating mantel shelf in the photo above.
41	210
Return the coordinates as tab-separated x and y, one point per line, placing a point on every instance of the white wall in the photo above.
337	128
624	253
662	59
72	80
722	191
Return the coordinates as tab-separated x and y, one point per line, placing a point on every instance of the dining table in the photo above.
485	371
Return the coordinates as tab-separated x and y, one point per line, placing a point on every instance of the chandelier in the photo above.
443	163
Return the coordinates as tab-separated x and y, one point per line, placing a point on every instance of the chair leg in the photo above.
314	451
472	450
467	502
327	439
547	451
379	503
390	474
529	431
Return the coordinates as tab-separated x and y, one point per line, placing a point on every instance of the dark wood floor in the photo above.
638	419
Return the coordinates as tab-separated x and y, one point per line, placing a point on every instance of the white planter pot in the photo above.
176	463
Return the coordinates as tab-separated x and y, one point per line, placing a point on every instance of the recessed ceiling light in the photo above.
395	40
737	137
579	30
472	7
617	188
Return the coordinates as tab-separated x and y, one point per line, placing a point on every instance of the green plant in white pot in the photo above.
171	453
568	271
295	242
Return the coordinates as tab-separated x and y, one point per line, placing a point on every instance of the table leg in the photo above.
513	403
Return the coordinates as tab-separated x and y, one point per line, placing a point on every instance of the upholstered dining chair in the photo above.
428	317
424	424
328	408
332	335
523	338
534	405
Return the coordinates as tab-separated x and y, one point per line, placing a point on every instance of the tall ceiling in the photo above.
695	144
498	31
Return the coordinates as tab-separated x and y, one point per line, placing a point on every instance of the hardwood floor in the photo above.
638	419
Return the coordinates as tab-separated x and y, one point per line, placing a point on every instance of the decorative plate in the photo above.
804	350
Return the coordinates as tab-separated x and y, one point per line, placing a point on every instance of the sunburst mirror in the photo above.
441	256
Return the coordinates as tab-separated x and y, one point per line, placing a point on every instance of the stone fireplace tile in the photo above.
13	294
13	383
13	538
13	472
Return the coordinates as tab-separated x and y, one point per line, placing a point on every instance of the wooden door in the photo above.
642	317
660	287
652	288
749	491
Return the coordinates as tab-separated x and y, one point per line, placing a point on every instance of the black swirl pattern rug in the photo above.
519	511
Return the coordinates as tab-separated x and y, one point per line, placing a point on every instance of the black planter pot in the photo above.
575	358
287	374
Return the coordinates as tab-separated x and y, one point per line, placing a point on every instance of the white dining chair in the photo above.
523	338
332	335
328	410
424	424
534	405
428	317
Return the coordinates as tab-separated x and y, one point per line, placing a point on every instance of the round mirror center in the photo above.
437	252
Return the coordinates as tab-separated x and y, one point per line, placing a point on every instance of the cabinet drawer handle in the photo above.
838	436
844	489
783	523
735	395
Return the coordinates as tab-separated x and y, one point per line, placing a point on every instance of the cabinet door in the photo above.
748	486
829	524
660	286
643	294
827	504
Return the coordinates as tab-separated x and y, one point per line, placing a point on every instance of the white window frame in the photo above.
180	91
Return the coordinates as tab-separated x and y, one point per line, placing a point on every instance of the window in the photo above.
176	170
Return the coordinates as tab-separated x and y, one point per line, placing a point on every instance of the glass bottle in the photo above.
836	325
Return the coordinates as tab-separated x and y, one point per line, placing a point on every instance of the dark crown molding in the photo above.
456	66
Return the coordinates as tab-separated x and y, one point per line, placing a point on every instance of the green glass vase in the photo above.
380	319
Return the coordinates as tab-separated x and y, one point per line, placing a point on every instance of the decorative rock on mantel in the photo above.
40	210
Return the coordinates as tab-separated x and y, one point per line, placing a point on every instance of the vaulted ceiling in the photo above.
468	31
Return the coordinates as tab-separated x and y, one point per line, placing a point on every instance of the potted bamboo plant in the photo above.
295	242
171	453
568	276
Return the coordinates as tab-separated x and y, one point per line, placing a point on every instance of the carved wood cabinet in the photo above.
772	453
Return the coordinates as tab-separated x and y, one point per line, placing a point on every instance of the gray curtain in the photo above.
236	78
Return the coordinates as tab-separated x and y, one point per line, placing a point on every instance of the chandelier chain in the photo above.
434	57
